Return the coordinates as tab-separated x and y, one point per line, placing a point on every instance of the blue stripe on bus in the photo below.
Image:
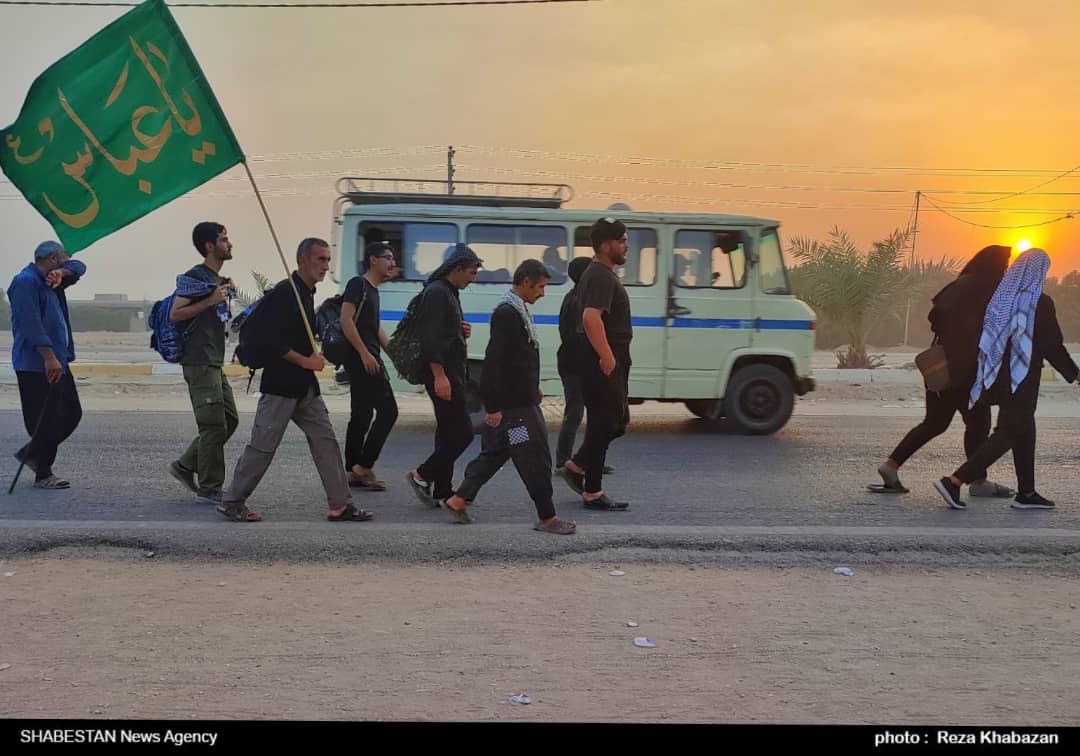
647	322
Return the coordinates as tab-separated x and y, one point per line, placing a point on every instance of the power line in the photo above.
433	4
1029	190
1067	216
726	185
746	166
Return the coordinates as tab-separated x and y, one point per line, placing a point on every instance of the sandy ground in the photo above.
135	638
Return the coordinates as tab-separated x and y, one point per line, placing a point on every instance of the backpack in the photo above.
167	336
404	346
335	347
246	326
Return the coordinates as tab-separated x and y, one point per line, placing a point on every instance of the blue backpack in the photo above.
165	337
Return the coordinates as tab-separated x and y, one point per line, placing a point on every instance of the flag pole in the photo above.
288	272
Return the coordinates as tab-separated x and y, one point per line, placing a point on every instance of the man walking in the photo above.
370	393
202	306
41	353
567	356
510	386
603	363
290	391
442	344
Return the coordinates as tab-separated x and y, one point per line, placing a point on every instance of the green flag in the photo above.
117	128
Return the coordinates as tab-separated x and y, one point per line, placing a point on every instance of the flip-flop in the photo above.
882	488
351	514
557	527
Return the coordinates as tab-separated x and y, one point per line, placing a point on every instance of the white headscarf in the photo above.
1010	319
518	304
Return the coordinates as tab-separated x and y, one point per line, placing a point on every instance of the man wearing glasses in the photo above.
373	407
603	362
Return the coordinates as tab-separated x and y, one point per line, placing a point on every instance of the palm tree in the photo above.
854	290
262	284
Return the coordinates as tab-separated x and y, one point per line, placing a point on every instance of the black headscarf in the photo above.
989	263
461	256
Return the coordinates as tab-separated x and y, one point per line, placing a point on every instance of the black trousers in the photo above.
1015	430
608	412
62	413
522	437
453	434
940	410
573	414
373	412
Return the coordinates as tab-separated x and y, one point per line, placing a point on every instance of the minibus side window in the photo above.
503	248
419	247
709	260
774	278
640	267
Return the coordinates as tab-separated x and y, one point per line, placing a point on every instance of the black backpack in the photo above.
335	347
249	326
404	346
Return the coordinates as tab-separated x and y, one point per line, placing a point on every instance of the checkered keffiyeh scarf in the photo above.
518	304
1010	319
190	287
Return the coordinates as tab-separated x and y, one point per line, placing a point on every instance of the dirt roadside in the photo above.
141	639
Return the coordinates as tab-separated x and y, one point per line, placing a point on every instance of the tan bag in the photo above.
934	368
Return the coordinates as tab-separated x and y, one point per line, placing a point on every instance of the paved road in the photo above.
696	495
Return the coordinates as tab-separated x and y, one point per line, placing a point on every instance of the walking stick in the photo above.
41	418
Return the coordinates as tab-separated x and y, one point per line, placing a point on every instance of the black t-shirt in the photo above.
367	321
599	287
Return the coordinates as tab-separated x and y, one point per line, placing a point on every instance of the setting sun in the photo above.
1023	245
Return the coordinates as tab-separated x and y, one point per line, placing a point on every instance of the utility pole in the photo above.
450	170
911	265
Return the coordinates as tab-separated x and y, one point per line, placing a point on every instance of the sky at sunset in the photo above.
778	108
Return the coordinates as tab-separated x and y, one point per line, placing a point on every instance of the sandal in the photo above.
576	481
460	516
52	482
238	513
556	526
368	482
351	514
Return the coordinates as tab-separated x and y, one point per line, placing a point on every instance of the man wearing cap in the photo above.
603	363
371	396
442	343
42	351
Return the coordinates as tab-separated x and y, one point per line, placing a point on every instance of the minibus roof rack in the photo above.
363	190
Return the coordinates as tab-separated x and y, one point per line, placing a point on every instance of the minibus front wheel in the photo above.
759	400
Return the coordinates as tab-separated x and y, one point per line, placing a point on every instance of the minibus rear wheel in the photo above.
760	399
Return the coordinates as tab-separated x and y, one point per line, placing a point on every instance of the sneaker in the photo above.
51	482
1031	501
185	476
950	493
210	497
605	504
